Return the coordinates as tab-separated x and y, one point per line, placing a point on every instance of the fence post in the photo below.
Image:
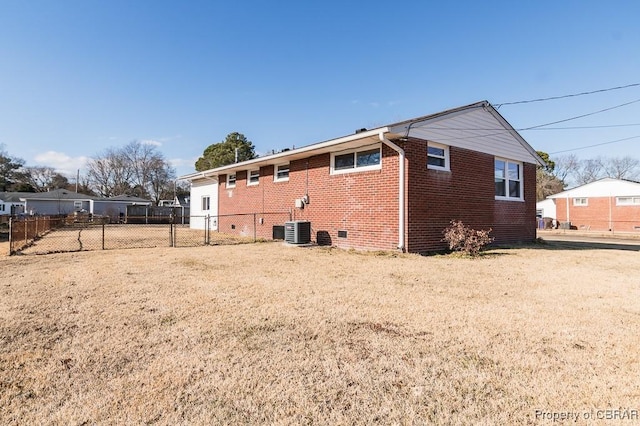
103	235
26	231
207	228
255	228
10	235
171	241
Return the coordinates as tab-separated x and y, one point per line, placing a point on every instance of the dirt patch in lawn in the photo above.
263	333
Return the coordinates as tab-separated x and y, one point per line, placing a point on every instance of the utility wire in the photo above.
582	116
489	129
597	144
552	98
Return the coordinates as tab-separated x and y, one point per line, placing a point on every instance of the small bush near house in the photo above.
466	240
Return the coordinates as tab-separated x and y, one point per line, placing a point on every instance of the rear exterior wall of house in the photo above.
362	205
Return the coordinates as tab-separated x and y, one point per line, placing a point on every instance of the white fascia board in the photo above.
282	157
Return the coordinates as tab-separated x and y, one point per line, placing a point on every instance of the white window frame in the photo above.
354	152
231	180
205	203
276	172
507	180
628	201
77	204
250	175
444	157
580	201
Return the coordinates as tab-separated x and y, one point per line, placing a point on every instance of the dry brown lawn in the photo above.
268	334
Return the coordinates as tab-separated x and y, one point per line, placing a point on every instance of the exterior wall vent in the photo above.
297	232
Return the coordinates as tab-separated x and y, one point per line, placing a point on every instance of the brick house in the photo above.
392	187
604	205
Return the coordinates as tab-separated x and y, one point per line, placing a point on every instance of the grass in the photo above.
263	333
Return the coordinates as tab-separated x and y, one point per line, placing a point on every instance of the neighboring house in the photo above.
116	207
65	202
392	187
10	204
178	201
604	205
546	209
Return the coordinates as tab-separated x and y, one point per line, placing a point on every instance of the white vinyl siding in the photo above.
474	129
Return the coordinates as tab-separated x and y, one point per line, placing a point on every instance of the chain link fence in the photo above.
44	235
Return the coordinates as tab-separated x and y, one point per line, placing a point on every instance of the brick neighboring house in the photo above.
392	187
604	205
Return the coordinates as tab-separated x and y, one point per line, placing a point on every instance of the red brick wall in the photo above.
466	193
365	204
601	214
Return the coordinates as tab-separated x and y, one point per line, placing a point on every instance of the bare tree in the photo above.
109	173
622	168
589	170
136	169
566	166
43	178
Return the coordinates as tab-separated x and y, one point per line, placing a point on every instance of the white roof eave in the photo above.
357	139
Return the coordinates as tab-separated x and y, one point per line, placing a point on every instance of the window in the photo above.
627	201
77	204
356	160
508	180
281	173
231	180
253	177
206	203
1	207
437	156
580	201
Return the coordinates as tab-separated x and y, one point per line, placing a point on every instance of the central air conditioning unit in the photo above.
297	232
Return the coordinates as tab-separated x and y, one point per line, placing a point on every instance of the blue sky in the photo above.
79	77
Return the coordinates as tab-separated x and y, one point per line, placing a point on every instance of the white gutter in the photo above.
401	189
273	159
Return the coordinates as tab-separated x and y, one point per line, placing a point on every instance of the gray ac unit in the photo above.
297	232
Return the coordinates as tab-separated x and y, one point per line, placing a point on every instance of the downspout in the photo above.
401	189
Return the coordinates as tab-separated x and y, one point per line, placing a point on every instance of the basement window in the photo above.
580	202
253	177
508	180
437	156
357	160
281	173
231	180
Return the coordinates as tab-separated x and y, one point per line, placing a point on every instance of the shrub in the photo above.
466	240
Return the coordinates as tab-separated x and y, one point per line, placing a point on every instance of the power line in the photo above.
552	98
597	144
583	115
489	129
